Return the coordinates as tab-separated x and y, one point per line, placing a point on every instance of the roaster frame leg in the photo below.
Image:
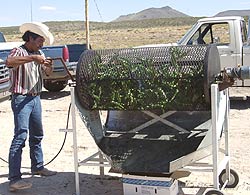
73	115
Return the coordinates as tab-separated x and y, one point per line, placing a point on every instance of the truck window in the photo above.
198	37
212	33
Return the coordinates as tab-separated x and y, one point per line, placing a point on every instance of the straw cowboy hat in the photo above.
38	28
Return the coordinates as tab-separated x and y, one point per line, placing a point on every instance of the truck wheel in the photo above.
55	86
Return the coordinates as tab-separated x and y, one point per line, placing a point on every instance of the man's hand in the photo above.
48	62
47	66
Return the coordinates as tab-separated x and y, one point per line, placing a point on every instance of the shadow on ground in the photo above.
54	95
64	184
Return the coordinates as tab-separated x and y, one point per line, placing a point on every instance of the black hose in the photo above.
4	160
64	140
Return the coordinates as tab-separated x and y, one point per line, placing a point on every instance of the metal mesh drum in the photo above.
167	78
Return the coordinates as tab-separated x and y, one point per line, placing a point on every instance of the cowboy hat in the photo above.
38	28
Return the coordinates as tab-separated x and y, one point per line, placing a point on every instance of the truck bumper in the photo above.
4	95
4	91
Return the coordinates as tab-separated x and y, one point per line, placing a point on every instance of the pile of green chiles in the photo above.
142	84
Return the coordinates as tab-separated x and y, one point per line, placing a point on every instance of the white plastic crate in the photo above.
144	185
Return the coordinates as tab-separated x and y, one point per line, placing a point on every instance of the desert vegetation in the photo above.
114	34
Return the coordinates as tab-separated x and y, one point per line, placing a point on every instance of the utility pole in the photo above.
31	13
87	22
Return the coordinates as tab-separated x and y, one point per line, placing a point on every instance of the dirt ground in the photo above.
55	112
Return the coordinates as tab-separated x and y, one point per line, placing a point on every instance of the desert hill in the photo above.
234	13
152	13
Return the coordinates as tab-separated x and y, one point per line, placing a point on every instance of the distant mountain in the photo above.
234	13
152	13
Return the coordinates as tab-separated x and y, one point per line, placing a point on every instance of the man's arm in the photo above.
14	61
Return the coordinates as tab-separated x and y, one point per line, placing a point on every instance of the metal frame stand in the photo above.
220	112
96	159
73	114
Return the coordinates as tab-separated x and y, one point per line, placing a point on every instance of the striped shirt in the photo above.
26	78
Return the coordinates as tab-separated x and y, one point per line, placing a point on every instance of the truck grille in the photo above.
4	73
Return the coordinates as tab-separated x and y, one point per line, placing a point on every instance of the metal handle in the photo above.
65	67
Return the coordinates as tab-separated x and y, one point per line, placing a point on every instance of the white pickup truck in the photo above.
230	36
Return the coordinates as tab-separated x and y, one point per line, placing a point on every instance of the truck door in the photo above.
219	34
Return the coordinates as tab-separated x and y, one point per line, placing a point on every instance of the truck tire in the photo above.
54	86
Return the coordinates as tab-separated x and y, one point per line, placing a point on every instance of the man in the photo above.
27	65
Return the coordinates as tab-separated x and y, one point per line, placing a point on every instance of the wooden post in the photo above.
87	22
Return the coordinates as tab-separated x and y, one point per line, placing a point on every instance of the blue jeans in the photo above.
28	119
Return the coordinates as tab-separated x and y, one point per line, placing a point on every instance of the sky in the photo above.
16	12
